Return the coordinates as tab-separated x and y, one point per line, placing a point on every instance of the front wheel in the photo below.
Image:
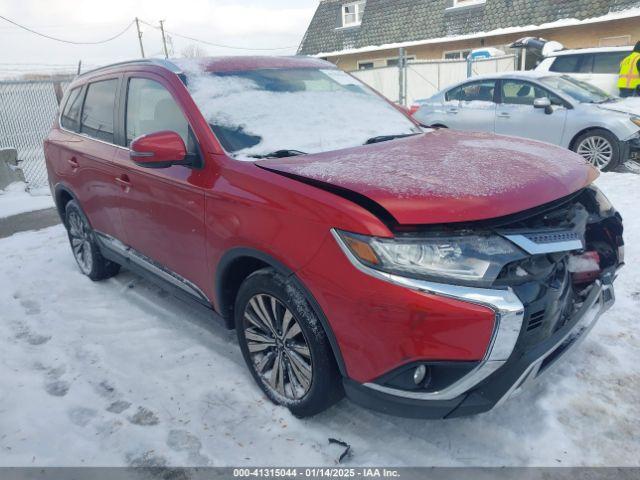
600	148
285	345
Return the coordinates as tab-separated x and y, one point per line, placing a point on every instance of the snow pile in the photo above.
120	373
310	121
15	200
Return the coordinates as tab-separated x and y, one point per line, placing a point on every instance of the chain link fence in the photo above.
27	111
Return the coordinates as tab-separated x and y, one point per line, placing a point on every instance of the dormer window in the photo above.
467	3
352	13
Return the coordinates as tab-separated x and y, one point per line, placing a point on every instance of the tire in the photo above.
600	148
277	327
84	246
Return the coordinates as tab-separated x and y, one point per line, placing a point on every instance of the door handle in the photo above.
73	162
452	110
504	115
124	182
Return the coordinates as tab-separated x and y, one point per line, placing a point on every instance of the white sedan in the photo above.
552	108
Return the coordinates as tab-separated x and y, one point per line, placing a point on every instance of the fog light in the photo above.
419	374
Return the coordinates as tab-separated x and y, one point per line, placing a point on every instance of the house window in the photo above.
352	13
466	3
393	62
457	55
621	41
365	65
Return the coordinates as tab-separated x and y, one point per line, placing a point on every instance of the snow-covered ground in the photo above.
118	373
15	199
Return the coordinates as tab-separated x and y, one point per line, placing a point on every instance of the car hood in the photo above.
445	176
627	105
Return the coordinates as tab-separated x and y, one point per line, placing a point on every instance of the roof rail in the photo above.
172	67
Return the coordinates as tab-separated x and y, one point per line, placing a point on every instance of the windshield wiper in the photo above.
386	138
280	154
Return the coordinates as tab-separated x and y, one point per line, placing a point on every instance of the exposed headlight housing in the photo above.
460	259
636	120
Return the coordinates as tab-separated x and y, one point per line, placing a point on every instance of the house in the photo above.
363	34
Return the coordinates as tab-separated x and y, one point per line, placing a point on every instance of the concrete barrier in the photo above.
9	171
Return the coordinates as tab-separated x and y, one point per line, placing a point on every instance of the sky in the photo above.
243	23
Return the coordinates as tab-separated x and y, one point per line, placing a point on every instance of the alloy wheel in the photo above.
80	237
596	150
277	346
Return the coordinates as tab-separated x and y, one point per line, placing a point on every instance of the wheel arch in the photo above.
63	195
572	143
237	264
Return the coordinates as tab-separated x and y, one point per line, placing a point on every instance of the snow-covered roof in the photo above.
405	23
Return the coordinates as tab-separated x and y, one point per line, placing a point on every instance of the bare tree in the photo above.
193	51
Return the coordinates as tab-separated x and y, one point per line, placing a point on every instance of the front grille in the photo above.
553	237
535	320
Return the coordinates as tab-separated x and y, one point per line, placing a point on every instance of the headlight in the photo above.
604	205
636	120
468	259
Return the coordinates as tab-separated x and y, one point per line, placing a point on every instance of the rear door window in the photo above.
572	64
70	118
608	62
472	92
98	111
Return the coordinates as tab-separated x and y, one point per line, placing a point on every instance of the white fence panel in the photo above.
424	79
385	80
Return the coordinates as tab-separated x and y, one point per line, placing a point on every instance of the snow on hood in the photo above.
625	105
447	176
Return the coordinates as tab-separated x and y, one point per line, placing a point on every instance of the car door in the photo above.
162	208
472	107
516	115
87	153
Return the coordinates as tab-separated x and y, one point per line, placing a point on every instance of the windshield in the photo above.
583	92
256	113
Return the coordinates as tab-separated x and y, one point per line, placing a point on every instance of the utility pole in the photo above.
139	37
164	40
402	76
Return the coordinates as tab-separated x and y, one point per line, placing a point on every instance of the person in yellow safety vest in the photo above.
629	82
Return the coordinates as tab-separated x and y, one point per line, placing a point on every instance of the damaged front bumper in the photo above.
496	378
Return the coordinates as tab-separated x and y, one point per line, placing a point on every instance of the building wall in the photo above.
580	36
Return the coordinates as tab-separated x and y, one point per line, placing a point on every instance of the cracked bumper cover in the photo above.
505	368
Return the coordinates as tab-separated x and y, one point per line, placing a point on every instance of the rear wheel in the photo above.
600	148
284	344
84	246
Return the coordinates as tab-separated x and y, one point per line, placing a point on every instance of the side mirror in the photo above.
545	103
159	150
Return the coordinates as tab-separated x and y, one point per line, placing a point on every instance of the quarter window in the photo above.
608	62
70	117
151	108
352	14
97	114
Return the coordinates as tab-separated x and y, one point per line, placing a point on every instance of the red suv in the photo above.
423	273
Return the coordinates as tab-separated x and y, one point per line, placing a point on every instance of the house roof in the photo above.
390	22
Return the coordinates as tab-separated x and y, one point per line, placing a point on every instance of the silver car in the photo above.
544	106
